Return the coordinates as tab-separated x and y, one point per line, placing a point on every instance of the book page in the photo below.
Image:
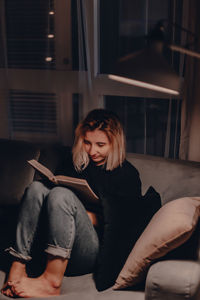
78	184
71	179
42	169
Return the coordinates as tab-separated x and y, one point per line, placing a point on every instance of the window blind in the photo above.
32	112
28	24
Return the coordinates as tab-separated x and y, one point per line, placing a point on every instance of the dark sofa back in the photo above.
52	155
171	178
15	173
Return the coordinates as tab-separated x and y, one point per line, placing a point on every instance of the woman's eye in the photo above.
100	144
86	142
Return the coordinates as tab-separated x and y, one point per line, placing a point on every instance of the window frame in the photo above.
101	83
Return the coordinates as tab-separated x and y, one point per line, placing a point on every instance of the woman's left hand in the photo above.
93	218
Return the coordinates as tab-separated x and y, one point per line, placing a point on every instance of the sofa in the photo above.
174	276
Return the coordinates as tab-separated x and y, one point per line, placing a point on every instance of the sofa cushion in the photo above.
172	178
15	173
83	287
170	227
173	279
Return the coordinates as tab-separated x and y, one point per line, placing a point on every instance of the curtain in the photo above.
190	115
85	68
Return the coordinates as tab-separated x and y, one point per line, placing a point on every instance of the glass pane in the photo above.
76	102
124	25
37	34
27	25
145	123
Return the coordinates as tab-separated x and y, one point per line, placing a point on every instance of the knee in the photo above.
36	187
62	198
36	192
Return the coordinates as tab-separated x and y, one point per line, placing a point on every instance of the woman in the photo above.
72	241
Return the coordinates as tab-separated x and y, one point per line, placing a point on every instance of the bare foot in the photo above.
17	271
35	287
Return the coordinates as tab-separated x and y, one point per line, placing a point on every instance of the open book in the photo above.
80	186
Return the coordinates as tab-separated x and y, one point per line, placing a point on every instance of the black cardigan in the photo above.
125	213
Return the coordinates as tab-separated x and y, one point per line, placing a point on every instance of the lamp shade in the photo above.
148	69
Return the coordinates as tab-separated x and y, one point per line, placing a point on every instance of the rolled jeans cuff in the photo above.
21	257
58	251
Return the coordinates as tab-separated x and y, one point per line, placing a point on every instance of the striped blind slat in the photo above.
33	112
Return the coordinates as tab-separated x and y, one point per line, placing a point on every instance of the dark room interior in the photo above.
59	60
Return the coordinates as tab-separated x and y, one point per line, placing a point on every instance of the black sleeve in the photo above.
123	193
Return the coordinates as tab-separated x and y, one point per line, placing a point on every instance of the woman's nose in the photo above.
92	150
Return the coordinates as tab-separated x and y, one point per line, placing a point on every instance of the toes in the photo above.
17	290
7	292
13	289
22	295
12	283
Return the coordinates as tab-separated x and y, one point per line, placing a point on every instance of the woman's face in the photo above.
97	145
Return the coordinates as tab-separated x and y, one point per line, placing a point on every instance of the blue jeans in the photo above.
69	232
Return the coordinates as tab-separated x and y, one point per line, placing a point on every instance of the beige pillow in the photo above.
170	227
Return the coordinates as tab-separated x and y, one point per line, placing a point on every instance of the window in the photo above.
125	25
36	113
145	123
152	124
86	39
28	29
36	39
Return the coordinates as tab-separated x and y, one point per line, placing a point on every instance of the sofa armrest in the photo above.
173	279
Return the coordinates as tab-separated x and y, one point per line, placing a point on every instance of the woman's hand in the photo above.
54	180
93	218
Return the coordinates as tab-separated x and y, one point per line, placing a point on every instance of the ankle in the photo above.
17	269
18	265
53	281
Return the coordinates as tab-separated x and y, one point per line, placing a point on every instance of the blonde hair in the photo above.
110	124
